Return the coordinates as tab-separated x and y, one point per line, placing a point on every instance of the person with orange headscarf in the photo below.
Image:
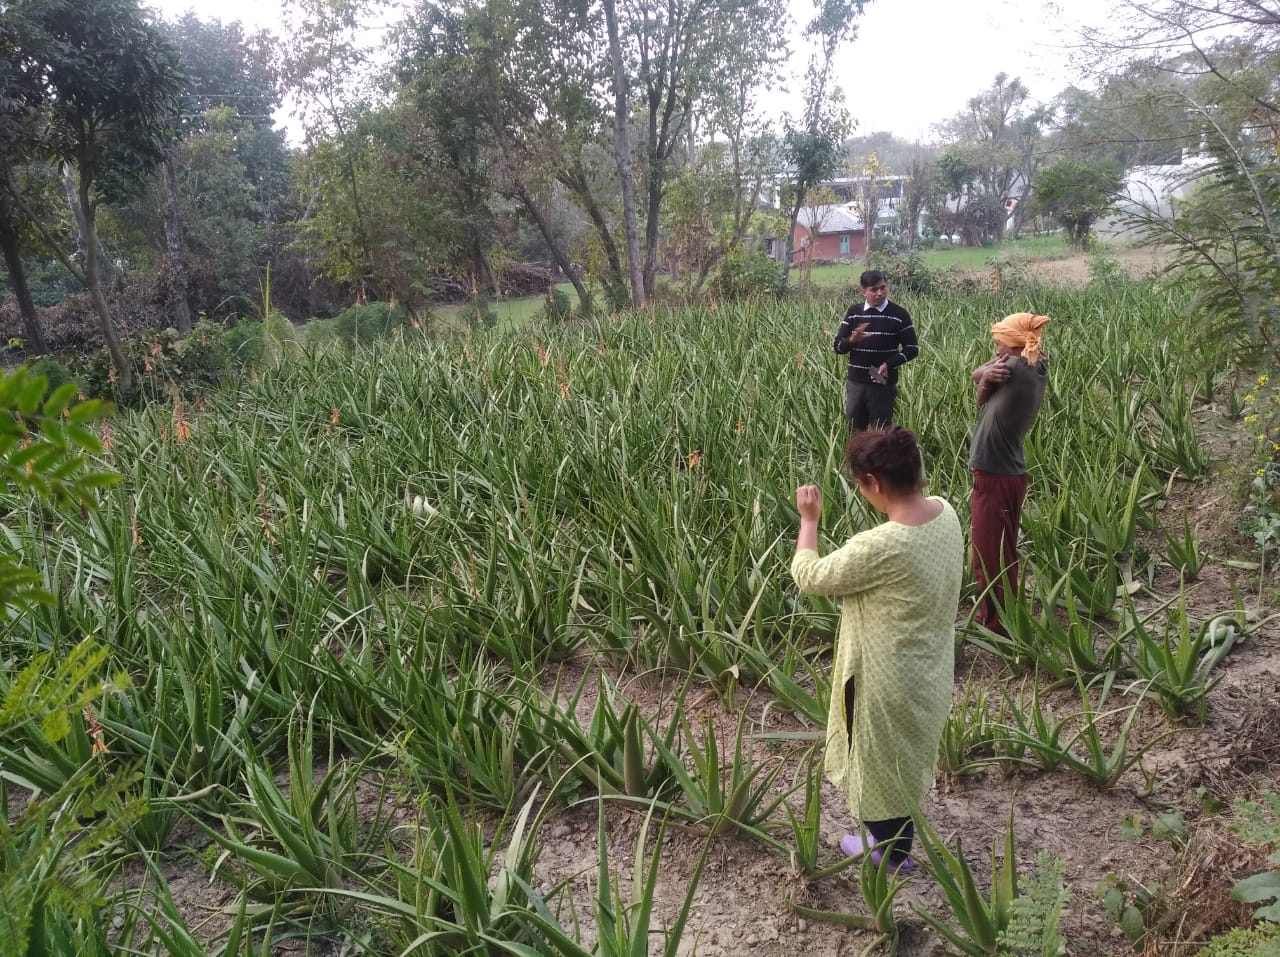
1011	388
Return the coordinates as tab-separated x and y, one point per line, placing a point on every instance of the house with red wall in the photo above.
828	233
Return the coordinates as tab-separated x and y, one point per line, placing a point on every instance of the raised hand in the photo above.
809	502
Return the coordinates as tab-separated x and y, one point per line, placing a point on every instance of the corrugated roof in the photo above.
831	219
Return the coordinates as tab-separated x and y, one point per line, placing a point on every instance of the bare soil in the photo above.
1074	270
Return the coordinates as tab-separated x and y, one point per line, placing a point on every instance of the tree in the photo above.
685	51
950	198
739	138
469	61
698	201
918	190
820	204
1215	66
327	64
20	99
622	152
226	182
992	134
710	208
1076	194
867	201
565	132
812	147
109	86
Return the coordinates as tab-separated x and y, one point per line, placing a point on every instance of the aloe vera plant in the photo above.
1087	753
979	920
878	882
618	492
1177	664
968	736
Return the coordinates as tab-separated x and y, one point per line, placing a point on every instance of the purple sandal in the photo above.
853	846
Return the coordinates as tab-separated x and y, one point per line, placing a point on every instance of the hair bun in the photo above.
902	437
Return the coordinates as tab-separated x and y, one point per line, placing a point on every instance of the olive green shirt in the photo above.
901	590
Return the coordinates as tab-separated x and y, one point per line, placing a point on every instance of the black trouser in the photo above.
867	404
893	835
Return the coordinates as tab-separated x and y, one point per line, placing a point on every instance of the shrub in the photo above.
55	373
1105	273
368	322
245	343
888	243
906	272
1260	941
203	358
558	307
748	276
165	361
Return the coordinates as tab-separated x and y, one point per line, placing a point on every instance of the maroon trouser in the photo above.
995	507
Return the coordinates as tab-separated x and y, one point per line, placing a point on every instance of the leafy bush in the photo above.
1105	273
45	444
368	322
748	276
47	847
165	361
906	272
558	306
245	343
1260	941
203	356
56	374
890	243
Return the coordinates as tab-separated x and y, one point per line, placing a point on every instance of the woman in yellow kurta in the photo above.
895	656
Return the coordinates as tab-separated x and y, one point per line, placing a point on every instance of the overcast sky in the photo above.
913	64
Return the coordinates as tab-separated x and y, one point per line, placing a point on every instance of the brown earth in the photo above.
1074	270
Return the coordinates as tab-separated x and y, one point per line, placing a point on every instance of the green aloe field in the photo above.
374	621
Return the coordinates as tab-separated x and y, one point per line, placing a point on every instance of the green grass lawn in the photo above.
513	312
959	257
962	257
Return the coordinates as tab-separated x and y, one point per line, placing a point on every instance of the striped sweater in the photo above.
889	339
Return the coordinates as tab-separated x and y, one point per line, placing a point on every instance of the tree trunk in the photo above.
703	273
622	153
124	372
173	242
576	181
789	242
18	278
83	231
870	215
483	269
557	251
651	224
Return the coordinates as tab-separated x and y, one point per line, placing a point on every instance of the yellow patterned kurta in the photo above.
901	589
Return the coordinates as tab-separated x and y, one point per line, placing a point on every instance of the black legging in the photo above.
893	835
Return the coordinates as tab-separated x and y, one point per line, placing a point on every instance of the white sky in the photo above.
913	64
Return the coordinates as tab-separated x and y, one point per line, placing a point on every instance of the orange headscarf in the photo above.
1021	329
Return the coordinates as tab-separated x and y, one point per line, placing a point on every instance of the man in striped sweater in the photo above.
877	336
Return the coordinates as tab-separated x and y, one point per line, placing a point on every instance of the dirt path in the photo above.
1074	270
